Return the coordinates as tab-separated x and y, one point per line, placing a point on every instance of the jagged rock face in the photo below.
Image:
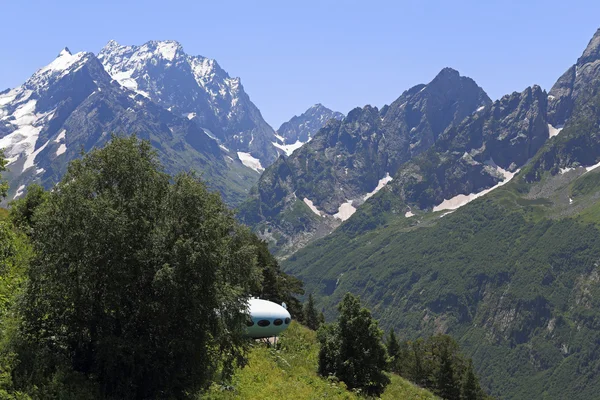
478	153
73	104
574	83
194	87
573	102
422	113
302	128
348	160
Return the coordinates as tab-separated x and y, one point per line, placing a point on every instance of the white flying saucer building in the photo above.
267	319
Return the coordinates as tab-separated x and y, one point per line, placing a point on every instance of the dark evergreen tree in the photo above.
393	350
276	285
471	390
352	350
311	316
321	318
447	380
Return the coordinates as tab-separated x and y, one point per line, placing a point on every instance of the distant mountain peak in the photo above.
300	129
65	52
592	51
195	87
449	71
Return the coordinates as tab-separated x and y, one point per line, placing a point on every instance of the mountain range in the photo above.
308	194
196	116
492	235
445	211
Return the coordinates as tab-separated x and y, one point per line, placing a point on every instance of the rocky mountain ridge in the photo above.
513	274
73	104
320	185
299	130
198	88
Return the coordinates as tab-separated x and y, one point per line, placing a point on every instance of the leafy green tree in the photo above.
352	350
139	281
22	210
311	316
276	285
420	370
3	182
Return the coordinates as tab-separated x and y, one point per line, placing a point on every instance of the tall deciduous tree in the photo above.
351	349
139	281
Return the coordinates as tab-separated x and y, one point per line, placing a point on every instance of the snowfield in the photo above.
314	209
250	162
345	211
462	199
382	182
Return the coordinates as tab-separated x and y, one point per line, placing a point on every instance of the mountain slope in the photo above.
471	158
513	275
311	192
73	105
195	87
291	373
300	129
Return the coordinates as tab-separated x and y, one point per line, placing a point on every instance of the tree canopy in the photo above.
352	350
138	281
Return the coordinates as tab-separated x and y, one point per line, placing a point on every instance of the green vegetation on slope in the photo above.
290	372
519	291
125	282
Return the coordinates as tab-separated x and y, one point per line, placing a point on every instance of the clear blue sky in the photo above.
292	54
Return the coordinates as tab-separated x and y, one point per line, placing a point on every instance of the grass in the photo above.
290	372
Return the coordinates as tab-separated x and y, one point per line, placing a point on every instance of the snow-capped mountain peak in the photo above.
300	129
28	111
195	87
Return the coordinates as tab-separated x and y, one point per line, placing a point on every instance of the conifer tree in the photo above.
447	382
352	350
311	317
393	350
470	388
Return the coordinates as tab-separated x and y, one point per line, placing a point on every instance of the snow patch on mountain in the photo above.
250	162
310	205
61	136
462	199
61	149
19	192
8	97
29	161
288	149
382	182
565	170
28	124
345	211
554	131
62	63
167	49
592	167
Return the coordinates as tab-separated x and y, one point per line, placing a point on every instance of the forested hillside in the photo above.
512	275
